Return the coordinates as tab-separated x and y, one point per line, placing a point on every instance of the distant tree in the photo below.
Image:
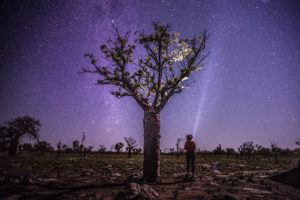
64	147
83	138
297	150
218	150
131	144
247	148
88	149
59	146
163	70
102	149
298	143
263	151
230	151
178	146
275	149
118	146
172	150
43	147
27	147
76	146
16	129
137	150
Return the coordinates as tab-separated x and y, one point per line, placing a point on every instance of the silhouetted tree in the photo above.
297	150
230	151
64	147
151	79
263	151
131	144
88	149
118	146
275	149
43	146
298	142
247	148
218	150
172	150
27	147
76	146
178	146
102	149
137	150
18	128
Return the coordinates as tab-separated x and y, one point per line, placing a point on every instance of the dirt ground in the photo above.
103	176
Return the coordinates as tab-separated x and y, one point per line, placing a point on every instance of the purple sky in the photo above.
248	91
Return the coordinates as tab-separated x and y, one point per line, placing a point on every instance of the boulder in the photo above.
291	177
136	191
136	177
205	166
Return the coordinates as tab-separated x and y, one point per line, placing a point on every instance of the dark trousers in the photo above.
190	161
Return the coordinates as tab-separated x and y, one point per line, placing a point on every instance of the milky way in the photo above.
249	89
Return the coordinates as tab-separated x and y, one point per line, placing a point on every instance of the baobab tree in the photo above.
131	144
18	128
151	75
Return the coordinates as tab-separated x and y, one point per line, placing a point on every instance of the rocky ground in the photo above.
114	176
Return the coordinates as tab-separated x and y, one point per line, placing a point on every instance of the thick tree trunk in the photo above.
151	145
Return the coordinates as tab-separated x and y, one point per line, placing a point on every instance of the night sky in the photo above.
249	89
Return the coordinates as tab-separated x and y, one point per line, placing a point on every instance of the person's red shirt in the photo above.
190	146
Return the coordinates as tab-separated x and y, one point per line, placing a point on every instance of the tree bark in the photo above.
151	145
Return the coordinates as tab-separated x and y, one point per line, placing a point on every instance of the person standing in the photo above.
190	148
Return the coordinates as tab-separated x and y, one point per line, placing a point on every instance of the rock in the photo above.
87	172
256	191
291	177
116	174
216	164
223	176
213	183
271	171
134	188
180	175
136	177
206	166
135	191
217	172
262	176
149	191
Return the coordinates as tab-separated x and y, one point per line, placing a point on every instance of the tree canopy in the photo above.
161	70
